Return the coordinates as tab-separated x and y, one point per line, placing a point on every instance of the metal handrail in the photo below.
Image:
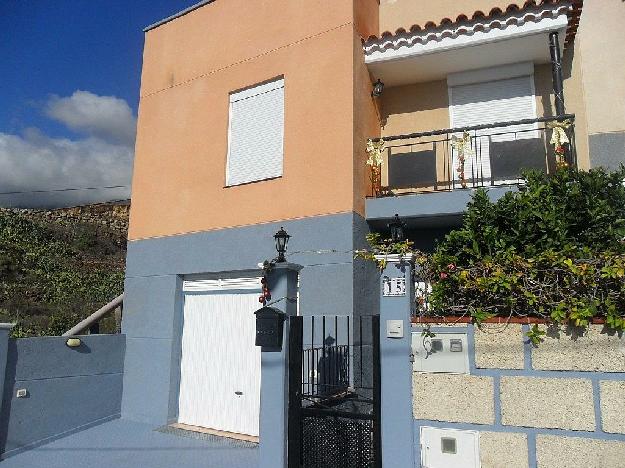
444	131
95	317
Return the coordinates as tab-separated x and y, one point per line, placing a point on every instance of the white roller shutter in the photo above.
491	102
256	133
222	284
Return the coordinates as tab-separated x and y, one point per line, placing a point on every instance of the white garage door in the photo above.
220	365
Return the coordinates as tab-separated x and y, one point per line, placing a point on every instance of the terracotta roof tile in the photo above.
574	14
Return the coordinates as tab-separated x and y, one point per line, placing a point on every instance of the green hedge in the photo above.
555	249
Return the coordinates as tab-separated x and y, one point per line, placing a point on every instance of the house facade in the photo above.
256	116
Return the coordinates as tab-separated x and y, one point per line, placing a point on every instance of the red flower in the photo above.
560	149
443	275
451	267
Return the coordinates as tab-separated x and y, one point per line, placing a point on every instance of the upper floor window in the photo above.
256	133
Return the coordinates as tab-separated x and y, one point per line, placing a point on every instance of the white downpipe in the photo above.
96	316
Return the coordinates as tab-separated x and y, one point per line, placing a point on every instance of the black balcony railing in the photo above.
475	156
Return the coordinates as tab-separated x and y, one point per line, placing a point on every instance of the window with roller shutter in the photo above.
488	102
256	134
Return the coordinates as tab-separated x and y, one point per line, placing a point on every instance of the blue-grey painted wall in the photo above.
5	331
67	388
332	283
396	371
274	388
427	210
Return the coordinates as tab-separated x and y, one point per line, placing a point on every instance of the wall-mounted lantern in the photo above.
397	229
73	342
378	87
269	327
282	239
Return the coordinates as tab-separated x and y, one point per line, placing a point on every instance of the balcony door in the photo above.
491	101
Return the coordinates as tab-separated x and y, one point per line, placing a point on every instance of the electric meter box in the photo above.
444	448
443	353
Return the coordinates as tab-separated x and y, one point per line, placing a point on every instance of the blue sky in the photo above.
69	89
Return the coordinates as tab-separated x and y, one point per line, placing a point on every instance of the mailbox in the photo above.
269	327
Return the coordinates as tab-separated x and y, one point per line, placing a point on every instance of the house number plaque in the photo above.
395	286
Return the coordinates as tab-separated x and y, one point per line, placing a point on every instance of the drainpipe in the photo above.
556	72
558	86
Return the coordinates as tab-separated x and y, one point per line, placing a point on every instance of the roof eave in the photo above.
177	15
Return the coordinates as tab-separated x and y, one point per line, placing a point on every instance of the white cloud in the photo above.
106	117
103	158
34	161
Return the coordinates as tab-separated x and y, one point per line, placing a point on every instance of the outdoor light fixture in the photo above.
397	229
282	239
378	87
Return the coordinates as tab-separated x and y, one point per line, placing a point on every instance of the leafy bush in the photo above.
555	249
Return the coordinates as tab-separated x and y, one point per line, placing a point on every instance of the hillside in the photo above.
59	266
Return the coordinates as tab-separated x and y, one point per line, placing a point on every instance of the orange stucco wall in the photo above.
192	64
396	14
366	125
573	96
367	17
601	37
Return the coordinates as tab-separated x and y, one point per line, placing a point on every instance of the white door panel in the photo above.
220	365
449	448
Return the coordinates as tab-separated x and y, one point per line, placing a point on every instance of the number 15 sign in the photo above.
395	286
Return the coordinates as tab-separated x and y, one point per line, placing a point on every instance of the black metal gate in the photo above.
334	392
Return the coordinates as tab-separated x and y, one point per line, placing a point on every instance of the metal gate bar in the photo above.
295	356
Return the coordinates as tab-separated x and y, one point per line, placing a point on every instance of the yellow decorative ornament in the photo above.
462	145
558	139
375	150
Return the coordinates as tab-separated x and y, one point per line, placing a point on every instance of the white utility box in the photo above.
445	353
394	328
449	448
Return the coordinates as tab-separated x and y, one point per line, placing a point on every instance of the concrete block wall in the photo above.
556	405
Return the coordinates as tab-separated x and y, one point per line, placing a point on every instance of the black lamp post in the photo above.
282	239
378	87
397	229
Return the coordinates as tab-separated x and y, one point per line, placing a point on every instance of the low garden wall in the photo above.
555	405
62	389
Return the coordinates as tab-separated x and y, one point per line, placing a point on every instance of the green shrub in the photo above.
555	249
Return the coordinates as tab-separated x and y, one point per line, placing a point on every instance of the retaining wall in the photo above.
559	404
66	389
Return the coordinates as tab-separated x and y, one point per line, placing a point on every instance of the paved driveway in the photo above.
127	444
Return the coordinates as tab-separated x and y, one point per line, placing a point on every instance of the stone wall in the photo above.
113	216
559	404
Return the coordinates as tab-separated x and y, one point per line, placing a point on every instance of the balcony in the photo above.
455	161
